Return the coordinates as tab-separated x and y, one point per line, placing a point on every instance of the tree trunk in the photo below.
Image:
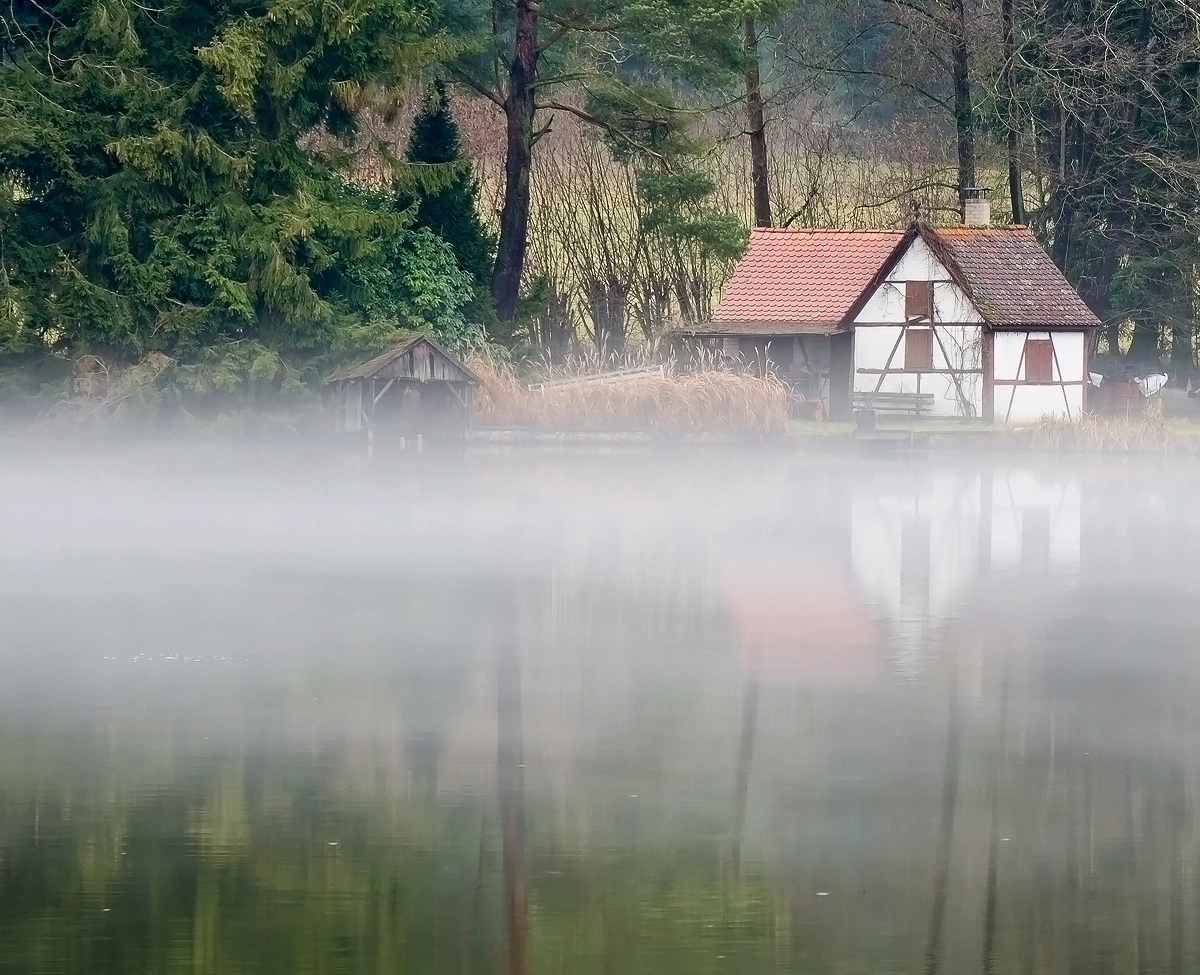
1144	346
1016	192
964	115
744	760
1183	358
990	898
941	879
514	216
1120	204
757	128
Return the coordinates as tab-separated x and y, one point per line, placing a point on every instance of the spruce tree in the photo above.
174	176
450	210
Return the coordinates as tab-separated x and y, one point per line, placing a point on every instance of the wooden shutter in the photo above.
1039	361
918	300
918	349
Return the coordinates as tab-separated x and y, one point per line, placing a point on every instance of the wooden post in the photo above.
841	376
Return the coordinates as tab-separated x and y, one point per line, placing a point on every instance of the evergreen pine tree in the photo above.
173	177
451	210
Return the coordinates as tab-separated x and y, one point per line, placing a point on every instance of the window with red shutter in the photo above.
918	300
1039	361
918	349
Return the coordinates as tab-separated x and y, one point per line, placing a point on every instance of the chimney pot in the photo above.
977	207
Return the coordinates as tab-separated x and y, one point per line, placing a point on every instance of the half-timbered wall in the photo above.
1020	398
955	373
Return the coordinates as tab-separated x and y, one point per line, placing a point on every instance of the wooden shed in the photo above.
416	387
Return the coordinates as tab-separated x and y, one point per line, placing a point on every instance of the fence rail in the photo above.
600	378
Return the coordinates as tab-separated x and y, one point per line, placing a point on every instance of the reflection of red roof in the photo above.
800	623
806	279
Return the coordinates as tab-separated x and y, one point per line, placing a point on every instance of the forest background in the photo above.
233	197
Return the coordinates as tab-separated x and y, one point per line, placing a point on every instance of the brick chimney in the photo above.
977	207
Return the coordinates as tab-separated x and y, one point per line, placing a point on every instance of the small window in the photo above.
918	349
1039	361
918	300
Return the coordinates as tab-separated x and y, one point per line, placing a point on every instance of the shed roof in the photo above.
813	281
371	367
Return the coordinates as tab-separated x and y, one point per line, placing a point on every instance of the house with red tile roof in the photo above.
971	321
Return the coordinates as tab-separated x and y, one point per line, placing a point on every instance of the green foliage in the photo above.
240	366
692	243
413	282
679	210
172	180
451	210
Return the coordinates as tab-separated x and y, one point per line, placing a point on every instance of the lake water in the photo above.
695	711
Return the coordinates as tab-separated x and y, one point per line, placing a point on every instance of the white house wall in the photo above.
1018	403
959	336
918	264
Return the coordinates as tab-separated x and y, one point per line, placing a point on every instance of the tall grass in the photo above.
707	400
1147	433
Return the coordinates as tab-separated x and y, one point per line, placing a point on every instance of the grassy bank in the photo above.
1150	432
656	402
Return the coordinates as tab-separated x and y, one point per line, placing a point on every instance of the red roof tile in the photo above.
801	280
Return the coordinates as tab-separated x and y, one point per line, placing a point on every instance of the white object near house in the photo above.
958	322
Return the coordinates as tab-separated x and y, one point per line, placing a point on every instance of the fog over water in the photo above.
698	710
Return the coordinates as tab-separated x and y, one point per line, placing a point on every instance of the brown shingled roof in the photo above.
801	280
1012	280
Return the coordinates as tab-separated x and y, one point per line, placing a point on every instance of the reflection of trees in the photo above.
990	899
1077	852
744	761
510	776
945	841
236	875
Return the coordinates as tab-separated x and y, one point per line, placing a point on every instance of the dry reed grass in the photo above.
1148	433
710	400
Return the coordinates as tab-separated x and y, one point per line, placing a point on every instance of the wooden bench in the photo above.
907	404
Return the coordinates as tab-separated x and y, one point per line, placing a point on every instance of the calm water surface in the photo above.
613	713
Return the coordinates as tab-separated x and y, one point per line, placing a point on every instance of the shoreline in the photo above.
1092	435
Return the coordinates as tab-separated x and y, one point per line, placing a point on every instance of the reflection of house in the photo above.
799	622
1034	524
969	321
920	548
